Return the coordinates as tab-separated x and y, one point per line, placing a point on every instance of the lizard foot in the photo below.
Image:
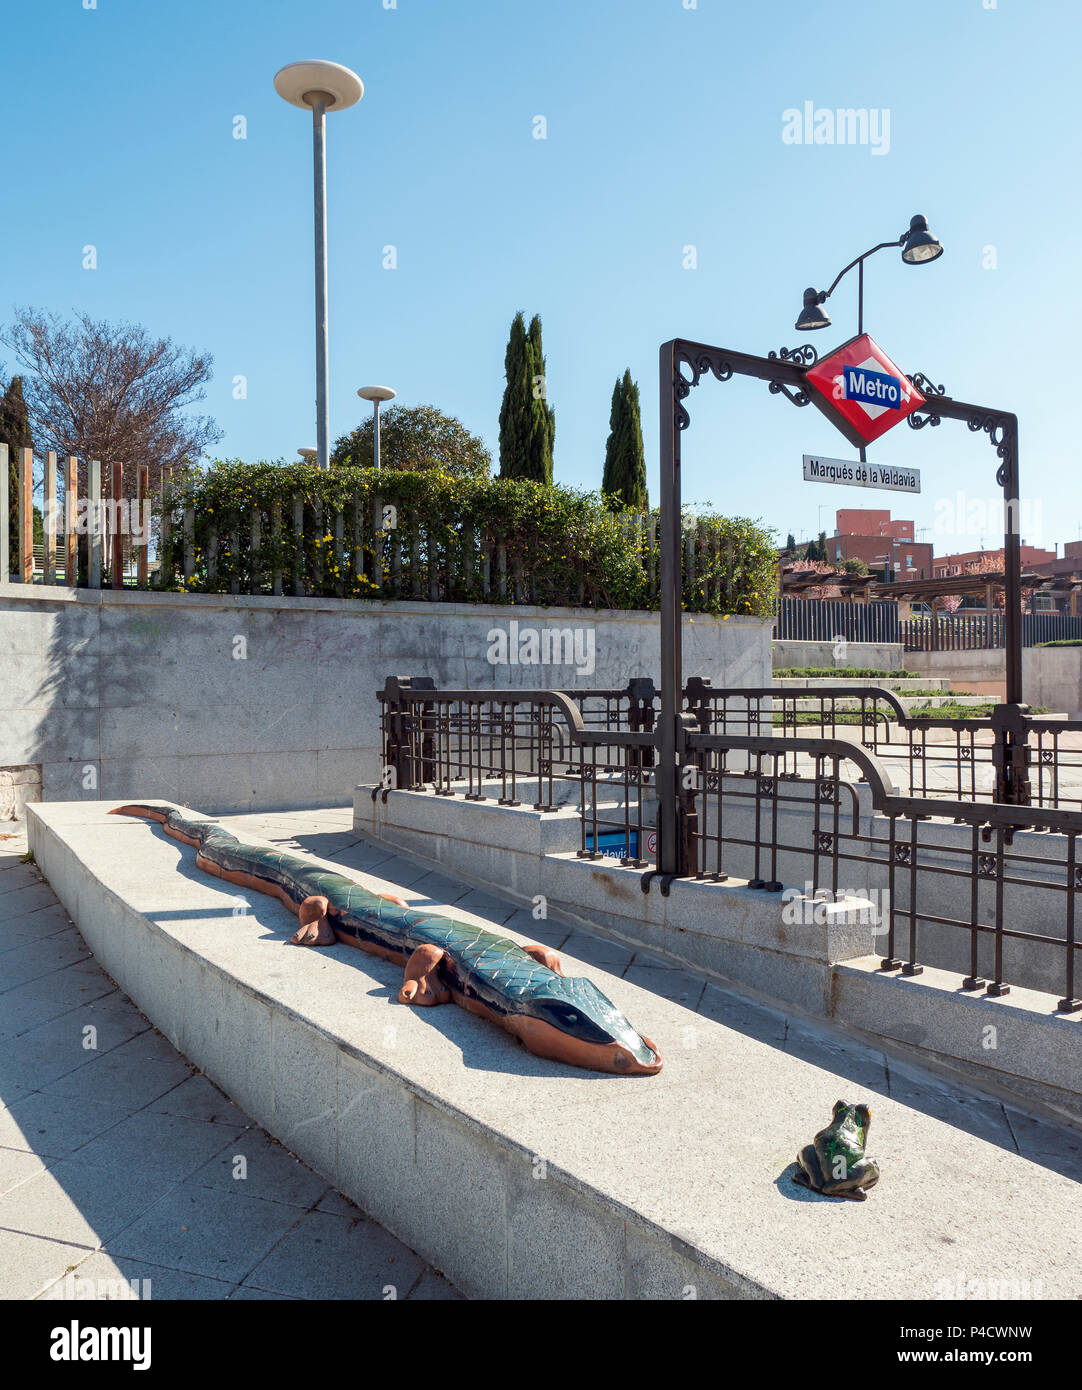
545	955
315	929
422	984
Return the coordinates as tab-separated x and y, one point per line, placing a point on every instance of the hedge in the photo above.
358	533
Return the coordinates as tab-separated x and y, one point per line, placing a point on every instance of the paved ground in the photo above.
120	1163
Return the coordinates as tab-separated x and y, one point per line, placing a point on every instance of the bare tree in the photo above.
110	391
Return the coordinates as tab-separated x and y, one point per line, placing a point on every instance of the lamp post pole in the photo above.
319	166
377	395
320	86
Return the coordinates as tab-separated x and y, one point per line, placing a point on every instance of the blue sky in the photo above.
664	131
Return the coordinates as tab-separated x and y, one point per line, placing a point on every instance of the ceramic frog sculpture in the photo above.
834	1162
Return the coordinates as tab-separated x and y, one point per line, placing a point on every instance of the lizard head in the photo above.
572	1021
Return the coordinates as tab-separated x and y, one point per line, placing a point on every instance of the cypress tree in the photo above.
516	410
15	433
625	461
542	417
790	542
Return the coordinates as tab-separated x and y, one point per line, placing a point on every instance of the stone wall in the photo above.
235	702
1051	676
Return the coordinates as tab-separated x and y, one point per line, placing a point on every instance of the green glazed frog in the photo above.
834	1162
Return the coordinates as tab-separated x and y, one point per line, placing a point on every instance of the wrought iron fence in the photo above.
982	631
828	619
926	755
955	871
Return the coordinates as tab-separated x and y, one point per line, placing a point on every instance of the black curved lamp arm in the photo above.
825	294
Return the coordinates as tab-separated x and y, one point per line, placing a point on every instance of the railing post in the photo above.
142	493
93	513
5	505
26	516
71	539
668	837
116	492
48	516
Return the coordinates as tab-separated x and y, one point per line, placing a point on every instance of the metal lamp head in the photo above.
334	86
812	316
920	244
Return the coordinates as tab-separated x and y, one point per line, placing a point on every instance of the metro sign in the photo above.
861	391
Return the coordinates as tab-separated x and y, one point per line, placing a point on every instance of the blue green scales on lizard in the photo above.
522	988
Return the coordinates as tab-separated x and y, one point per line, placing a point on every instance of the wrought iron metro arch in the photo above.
682	366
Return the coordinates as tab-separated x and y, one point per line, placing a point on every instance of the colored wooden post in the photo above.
94	532
166	533
142	494
5	506
189	543
26	516
116	564
255	559
298	534
71	507
276	542
49	518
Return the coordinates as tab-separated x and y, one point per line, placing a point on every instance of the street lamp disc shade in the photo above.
812	315
376	393
308	454
297	80
920	244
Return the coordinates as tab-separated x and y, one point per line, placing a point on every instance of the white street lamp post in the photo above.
320	87
376	394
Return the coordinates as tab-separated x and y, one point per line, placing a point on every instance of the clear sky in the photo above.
665	125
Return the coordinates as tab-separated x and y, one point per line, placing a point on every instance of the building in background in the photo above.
882	542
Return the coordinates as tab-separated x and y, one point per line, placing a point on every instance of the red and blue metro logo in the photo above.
860	389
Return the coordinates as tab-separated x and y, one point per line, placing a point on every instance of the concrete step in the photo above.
520	1178
899	684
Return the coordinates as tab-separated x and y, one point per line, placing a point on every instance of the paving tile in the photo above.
858	1065
222	1234
595	950
29	1264
41	1125
435	1288
753	1020
330	1256
116	1079
24	1008
23	900
334	1202
678	985
16	1167
169	1146
41	957
930	1095
1051	1145
438	889
198	1099
103	1277
80	1203
270	1171
53	1049
546	931
73	985
244	1295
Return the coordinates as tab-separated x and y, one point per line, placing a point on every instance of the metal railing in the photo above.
769	809
927	755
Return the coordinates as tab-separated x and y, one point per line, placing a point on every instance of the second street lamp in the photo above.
320	87
377	395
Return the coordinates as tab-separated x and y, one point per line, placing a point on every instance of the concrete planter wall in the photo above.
233	703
